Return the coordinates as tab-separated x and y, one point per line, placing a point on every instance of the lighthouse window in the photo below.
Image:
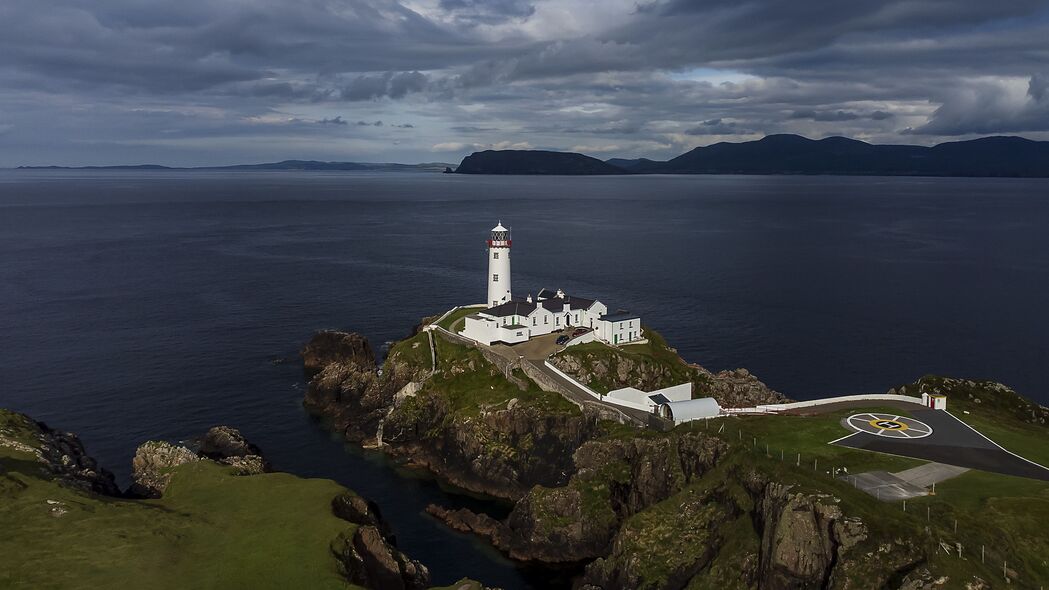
495	255
495	278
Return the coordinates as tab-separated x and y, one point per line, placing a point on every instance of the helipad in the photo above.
888	425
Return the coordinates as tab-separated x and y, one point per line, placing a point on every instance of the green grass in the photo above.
210	530
470	382
453	320
650	355
1001	513
415	351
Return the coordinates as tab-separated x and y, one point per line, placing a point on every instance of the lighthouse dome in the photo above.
499	227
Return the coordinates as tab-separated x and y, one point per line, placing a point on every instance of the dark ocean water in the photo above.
137	305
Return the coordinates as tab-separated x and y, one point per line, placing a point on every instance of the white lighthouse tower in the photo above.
499	265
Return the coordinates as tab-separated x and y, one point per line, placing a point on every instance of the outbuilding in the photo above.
935	401
690	409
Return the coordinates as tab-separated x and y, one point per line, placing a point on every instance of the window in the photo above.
533	321
557	321
546	319
495	278
495	255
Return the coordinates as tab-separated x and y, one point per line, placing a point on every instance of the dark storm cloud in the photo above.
652	78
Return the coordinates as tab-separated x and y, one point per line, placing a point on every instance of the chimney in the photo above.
529	298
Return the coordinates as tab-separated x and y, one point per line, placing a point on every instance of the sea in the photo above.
140	305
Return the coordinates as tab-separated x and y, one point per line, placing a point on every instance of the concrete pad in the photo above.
926	475
885	486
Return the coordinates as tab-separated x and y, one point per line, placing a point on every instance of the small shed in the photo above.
935	401
690	409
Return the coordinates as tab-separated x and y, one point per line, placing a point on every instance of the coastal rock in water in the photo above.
368	560
345	385
151	469
61	453
353	508
329	347
223	442
228	446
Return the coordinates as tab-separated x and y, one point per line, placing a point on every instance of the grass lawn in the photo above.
210	530
454	320
471	389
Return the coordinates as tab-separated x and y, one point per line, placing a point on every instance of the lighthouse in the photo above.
499	265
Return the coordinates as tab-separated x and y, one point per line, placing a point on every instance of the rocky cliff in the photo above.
61	453
468	422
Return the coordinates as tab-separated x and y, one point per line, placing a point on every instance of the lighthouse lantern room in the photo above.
499	266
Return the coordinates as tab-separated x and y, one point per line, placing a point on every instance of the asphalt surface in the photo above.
951	443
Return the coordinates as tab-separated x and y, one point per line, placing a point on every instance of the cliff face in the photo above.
469	423
345	386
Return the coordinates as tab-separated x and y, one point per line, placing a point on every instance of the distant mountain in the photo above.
632	164
285	165
793	154
533	162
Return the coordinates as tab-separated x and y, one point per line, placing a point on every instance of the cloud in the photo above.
183	82
992	106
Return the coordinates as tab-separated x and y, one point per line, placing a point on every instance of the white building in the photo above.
691	409
512	320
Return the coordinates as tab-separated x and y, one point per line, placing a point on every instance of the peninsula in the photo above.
746	490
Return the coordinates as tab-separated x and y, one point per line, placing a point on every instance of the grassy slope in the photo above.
484	386
211	529
654	352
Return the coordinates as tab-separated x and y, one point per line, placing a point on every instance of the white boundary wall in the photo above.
774	408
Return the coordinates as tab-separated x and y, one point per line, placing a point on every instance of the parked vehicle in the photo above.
562	340
579	332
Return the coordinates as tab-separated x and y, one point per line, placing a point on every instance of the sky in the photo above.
213	82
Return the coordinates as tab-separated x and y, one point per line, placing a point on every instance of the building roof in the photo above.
659	398
510	308
546	294
690	409
579	303
553	304
620	316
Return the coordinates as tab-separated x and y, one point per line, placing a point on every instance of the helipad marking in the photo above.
888	426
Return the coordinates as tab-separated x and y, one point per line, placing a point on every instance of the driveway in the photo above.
534	349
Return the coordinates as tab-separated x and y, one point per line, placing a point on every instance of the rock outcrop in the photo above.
345	385
153	465
154	461
369	556
613	368
497	450
613	480
61	453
